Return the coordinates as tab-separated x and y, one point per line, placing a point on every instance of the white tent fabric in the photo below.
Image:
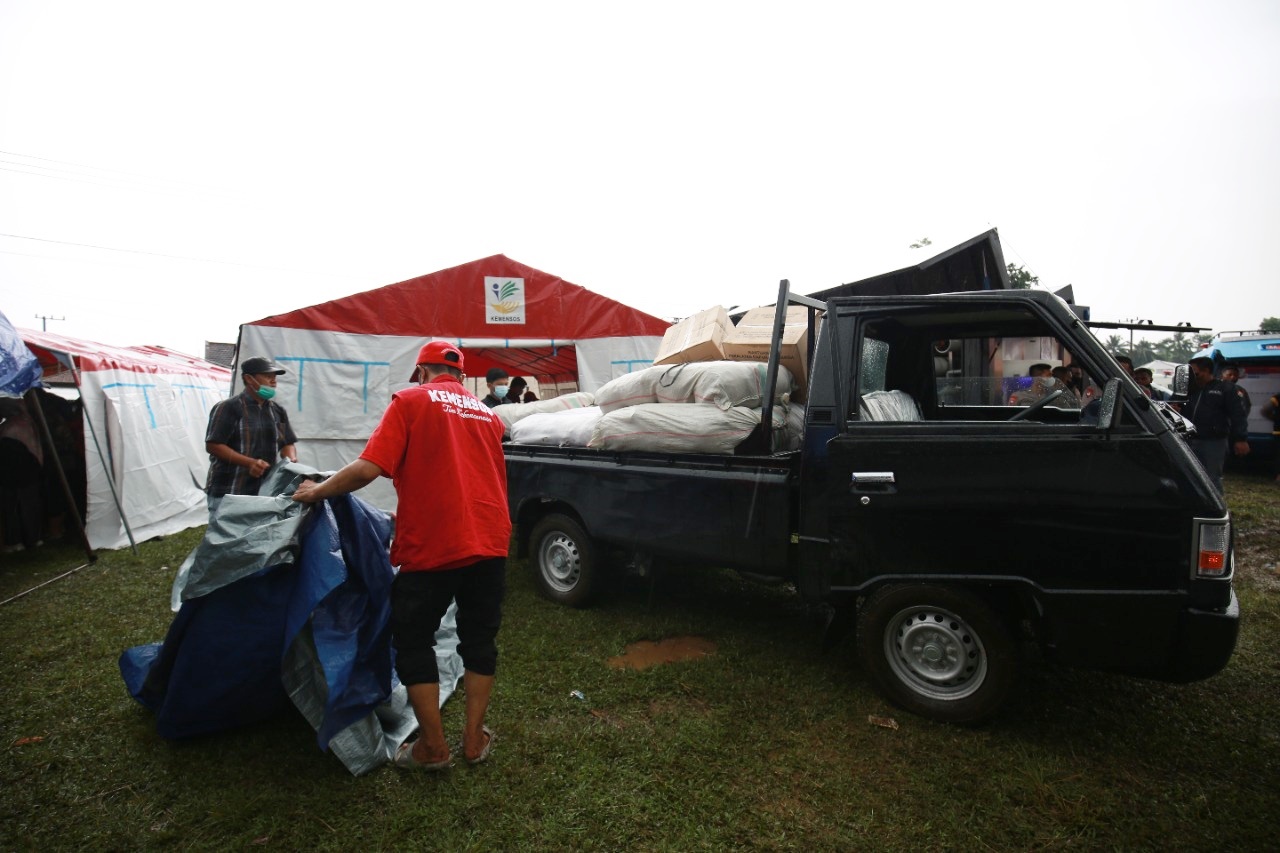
145	412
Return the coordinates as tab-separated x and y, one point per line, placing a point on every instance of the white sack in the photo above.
694	428
723	384
888	406
789	435
512	413
572	428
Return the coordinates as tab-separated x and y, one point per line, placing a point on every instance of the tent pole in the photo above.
34	405
115	495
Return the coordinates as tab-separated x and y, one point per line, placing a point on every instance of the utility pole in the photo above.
1132	321
44	321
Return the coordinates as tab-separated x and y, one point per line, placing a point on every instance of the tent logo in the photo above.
504	297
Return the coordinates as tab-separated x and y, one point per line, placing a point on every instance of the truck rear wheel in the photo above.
564	559
937	651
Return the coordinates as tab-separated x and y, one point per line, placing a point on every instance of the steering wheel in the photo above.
1039	404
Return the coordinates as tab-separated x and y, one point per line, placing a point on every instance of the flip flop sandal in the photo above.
488	745
404	758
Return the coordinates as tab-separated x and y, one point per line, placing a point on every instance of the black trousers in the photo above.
419	601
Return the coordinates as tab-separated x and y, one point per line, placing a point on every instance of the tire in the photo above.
937	651
564	560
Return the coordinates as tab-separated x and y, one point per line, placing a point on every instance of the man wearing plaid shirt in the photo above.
246	434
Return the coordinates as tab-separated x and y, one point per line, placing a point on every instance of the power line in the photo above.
171	257
189	186
118	186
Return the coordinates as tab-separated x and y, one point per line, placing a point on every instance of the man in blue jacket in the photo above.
1218	415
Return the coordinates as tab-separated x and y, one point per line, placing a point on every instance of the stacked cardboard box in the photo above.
696	338
749	341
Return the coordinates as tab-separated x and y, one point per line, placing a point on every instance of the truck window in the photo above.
966	364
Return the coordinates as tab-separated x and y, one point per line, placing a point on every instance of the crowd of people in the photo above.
1219	409
1216	405
504	389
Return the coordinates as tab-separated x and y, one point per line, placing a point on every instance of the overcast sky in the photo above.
173	169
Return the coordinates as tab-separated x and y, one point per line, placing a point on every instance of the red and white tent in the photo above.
144	419
346	357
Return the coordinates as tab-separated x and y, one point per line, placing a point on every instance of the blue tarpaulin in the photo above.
297	606
19	370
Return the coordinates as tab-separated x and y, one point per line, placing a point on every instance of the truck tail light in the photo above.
1214	550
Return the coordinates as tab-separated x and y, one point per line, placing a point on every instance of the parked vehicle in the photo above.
1257	354
947	529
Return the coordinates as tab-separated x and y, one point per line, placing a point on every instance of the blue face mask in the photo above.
500	391
266	392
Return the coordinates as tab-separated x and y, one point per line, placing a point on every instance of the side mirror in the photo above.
1110	404
1181	381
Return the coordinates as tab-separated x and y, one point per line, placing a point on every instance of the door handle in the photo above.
873	482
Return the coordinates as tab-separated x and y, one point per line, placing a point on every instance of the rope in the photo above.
46	583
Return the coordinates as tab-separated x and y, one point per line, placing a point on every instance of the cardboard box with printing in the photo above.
695	338
749	341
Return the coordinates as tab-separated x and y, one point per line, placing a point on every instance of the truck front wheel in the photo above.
938	651
564	558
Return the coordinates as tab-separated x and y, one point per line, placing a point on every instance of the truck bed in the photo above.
732	511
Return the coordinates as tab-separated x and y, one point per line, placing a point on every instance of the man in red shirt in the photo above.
442	449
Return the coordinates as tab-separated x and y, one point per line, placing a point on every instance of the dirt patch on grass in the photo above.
647	653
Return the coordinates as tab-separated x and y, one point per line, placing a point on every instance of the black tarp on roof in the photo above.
975	264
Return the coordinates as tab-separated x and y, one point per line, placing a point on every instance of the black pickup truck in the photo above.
936	506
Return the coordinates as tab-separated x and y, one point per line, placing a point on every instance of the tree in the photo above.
1270	324
1021	278
1113	344
1178	348
921	243
1143	351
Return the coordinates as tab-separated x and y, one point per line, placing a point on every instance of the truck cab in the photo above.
964	514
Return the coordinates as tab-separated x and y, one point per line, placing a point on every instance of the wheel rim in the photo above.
935	653
560	561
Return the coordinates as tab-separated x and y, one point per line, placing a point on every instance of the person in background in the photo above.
1069	400
1077	379
442	449
1126	363
1231	376
1219	419
21	461
1271	409
247	434
517	390
1042	382
499	385
1144	377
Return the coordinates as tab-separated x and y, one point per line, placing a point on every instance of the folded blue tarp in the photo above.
313	627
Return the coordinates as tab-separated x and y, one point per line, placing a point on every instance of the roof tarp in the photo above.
975	264
347	357
144	415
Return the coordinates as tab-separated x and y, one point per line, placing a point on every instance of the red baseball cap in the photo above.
438	352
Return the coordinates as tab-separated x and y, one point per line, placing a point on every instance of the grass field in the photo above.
765	744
